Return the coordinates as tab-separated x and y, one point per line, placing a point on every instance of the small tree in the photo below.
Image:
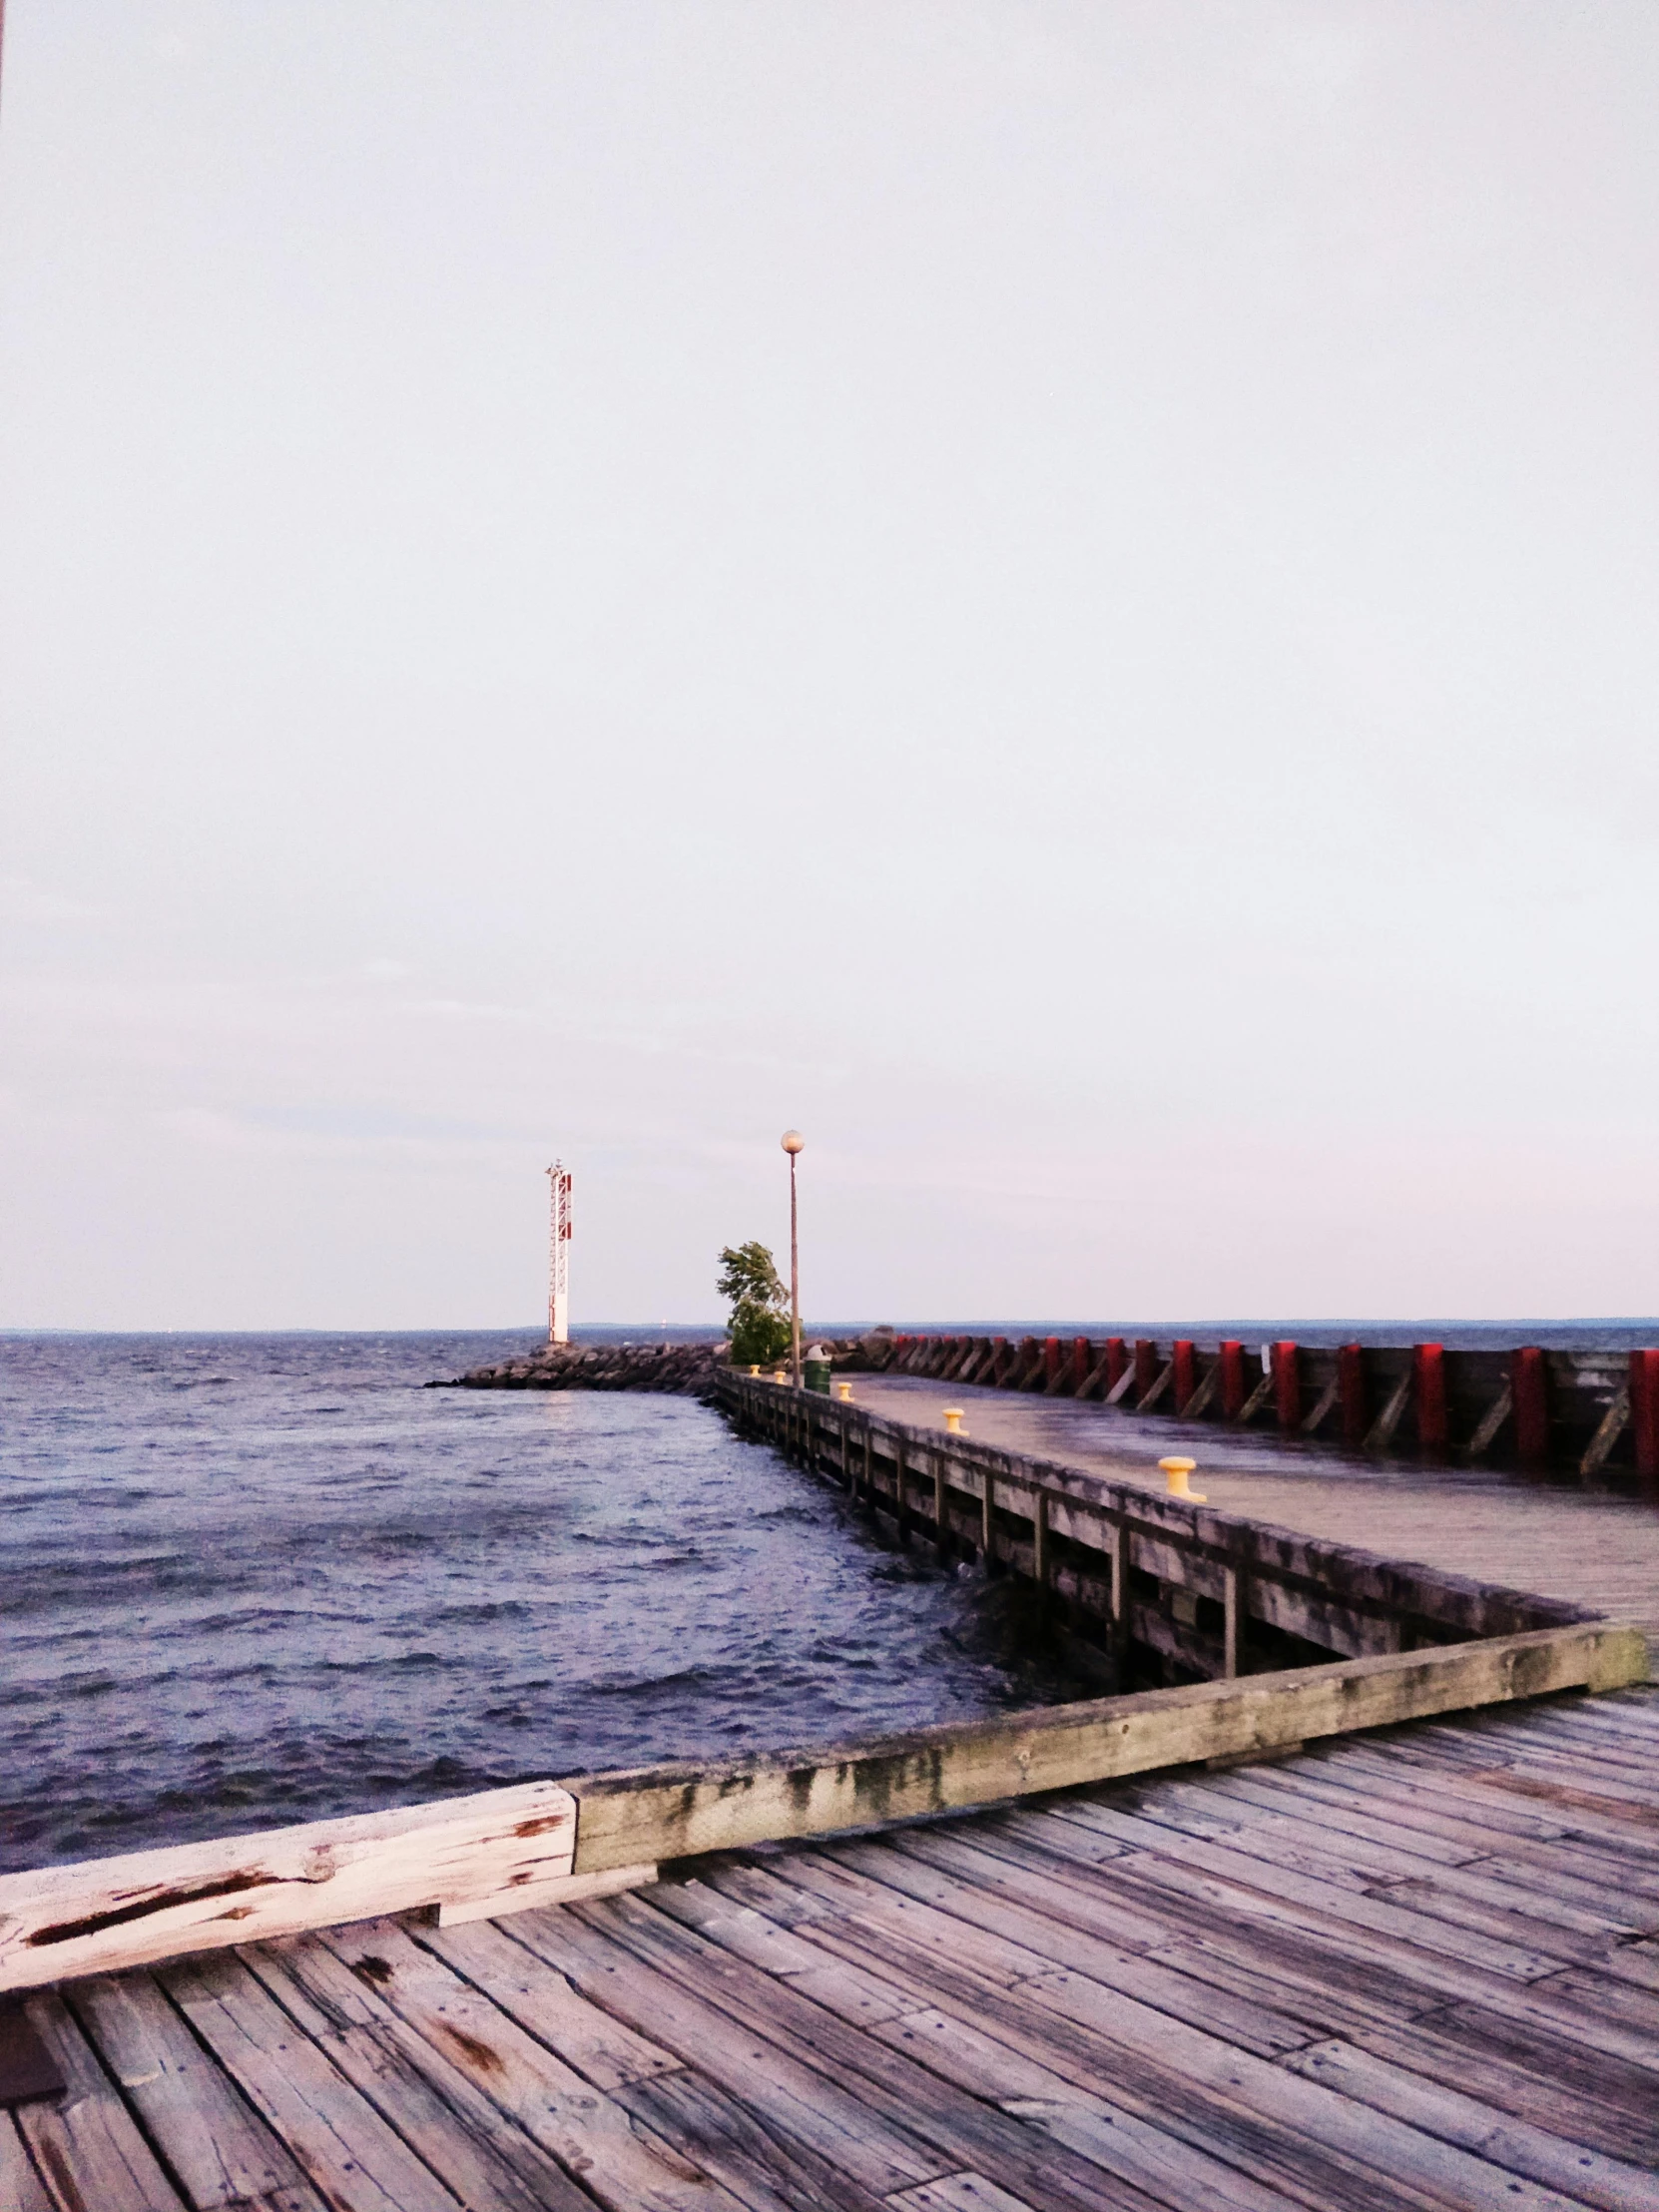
760	1321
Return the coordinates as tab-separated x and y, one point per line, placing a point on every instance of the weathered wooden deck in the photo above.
1588	1547
1419	1967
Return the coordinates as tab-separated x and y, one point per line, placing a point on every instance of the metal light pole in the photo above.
792	1141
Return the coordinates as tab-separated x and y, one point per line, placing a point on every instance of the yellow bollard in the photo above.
1176	1472
954	1418
778	1374
844	1391
754	1371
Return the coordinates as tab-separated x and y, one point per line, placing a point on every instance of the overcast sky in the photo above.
1061	595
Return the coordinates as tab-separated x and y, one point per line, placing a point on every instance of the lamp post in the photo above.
792	1141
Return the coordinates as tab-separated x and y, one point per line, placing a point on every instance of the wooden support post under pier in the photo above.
1182	1368
1118	1553
1287	1384
1644	1414
1229	1360
1351	1389
1529	1384
1146	1369
1428	1399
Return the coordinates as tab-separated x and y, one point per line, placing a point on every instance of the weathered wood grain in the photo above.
21	2188
492	1850
88	2147
222	2152
344	2145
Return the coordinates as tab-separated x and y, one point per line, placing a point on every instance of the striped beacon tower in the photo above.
558	1269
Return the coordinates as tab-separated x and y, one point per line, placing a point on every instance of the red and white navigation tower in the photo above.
558	1273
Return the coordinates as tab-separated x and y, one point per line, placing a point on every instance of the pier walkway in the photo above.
1591	1547
1419	1969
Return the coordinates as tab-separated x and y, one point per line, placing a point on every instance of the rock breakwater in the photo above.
684	1371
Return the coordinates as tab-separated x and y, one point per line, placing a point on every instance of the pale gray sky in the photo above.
1062	595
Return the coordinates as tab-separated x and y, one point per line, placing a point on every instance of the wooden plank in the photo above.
790	2098
105	1915
428	2098
340	2140
87	2148
489	2039
423	1967
659	1812
856	1997
1409	2156
1121	1388
1550	2084
21	2188
890	2090
1147	2157
1313	1888
1455	2117
1069	1922
964	2192
1375	1854
714	2132
1064	2037
1199	1901
565	1888
1098	2037
217	2145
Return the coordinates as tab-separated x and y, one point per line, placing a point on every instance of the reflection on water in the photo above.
246	1580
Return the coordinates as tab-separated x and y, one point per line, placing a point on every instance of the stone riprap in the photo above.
685	1370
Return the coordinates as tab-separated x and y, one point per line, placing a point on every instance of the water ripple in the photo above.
252	1580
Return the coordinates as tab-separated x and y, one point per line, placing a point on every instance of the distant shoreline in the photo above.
1586	1332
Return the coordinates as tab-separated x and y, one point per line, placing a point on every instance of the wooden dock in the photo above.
1418	1968
1593	1411
1597	1549
1360	1910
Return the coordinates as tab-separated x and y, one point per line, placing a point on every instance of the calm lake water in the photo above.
248	1580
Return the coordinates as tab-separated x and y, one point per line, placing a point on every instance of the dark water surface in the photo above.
248	1580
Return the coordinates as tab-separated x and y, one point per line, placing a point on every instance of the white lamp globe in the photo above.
793	1140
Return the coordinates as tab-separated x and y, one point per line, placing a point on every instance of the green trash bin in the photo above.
815	1371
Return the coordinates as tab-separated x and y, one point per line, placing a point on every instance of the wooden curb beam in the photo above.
675	1811
470	1857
